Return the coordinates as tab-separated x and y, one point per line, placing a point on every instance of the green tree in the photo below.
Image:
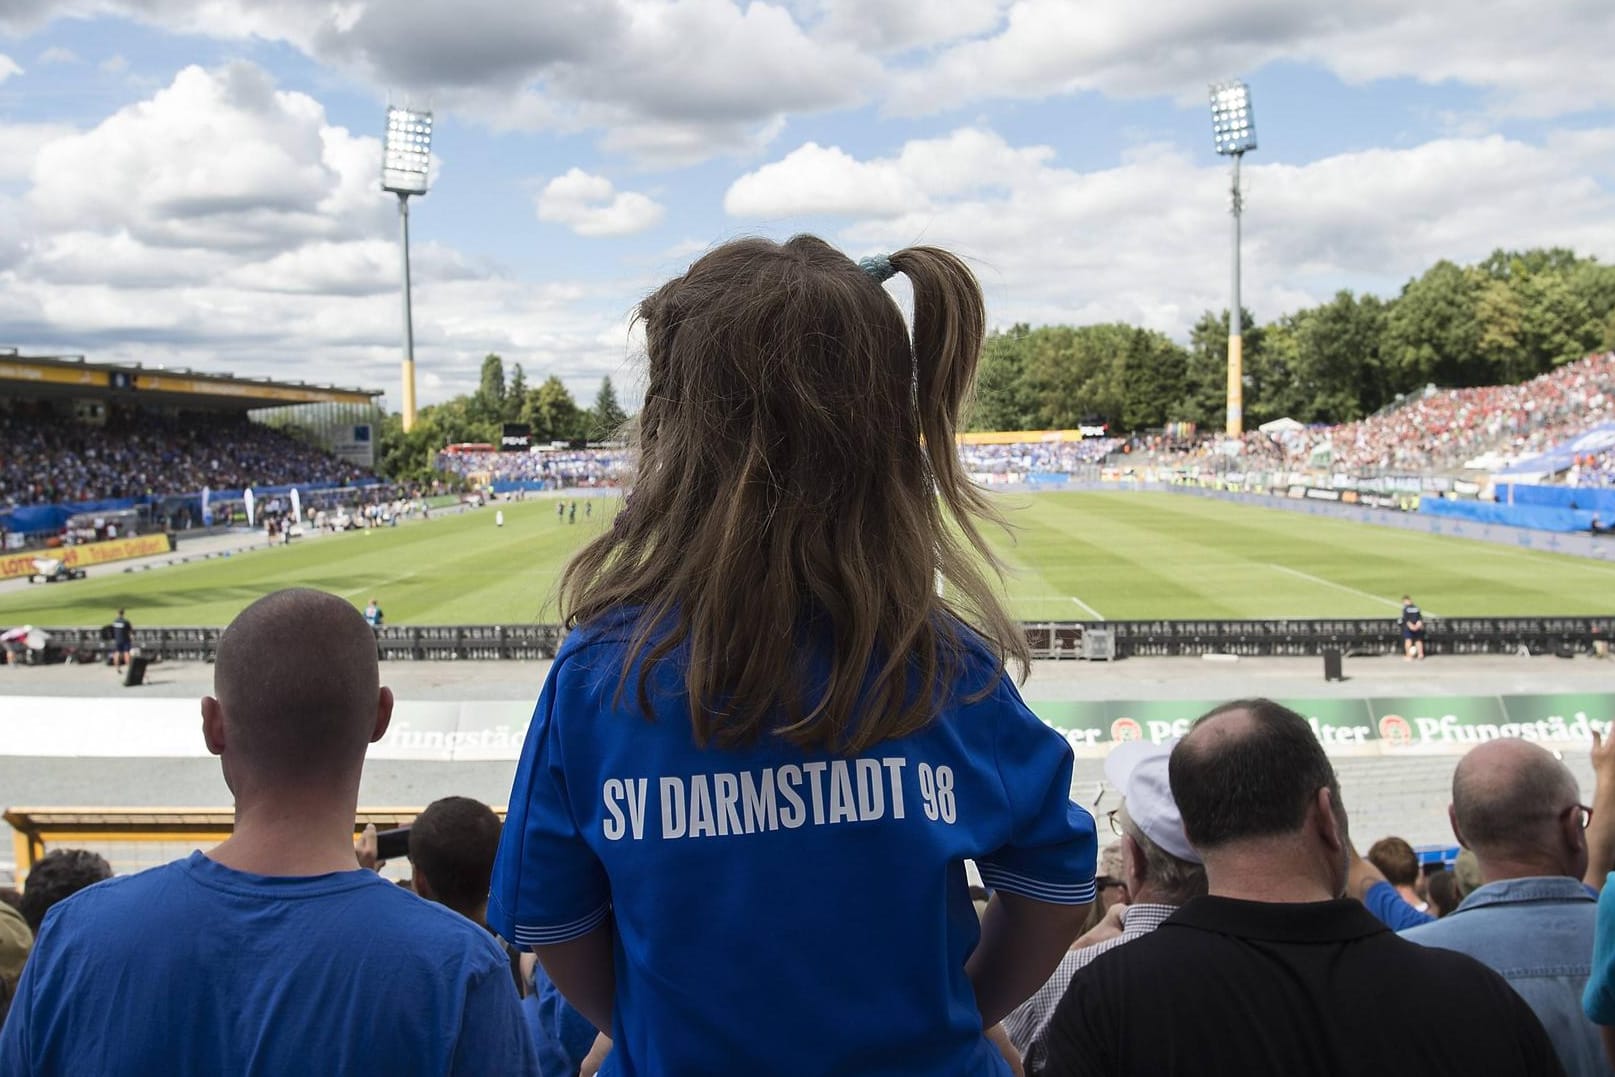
488	403
1431	335
1338	375
1595	285
607	415
552	413
1057	372
1147	377
1205	379
1499	324
515	395
1511	265
1556	326
1273	379
1003	393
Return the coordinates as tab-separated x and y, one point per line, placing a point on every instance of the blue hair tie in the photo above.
878	266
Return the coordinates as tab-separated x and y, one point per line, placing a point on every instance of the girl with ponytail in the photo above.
737	834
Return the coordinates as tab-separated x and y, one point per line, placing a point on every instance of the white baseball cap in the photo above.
1137	770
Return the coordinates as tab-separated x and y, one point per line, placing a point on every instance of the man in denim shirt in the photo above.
1520	810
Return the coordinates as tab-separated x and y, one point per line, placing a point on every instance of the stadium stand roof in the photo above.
72	376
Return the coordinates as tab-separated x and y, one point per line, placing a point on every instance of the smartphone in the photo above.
392	844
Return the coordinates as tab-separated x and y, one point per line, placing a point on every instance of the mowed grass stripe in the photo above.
448	570
1131	556
1151	565
1454	577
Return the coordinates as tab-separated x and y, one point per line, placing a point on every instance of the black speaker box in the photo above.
137	672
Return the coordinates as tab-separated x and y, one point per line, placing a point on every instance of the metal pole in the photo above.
1236	354
409	322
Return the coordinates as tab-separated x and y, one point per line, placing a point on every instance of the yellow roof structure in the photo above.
73	376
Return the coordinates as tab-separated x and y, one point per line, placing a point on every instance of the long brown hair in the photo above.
797	466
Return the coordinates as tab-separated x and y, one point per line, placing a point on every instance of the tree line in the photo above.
1503	320
548	408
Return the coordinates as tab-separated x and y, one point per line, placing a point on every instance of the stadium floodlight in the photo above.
406	158
1233	133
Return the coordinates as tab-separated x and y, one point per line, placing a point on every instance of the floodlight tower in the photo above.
405	160
1233	132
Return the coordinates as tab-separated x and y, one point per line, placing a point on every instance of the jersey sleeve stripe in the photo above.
996	878
541	935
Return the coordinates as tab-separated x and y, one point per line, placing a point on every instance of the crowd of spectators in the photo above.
566	469
1446	428
1593	469
1435	430
45	459
1022	458
1214	937
554	469
1235	928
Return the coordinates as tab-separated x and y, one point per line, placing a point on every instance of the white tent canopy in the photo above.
1281	426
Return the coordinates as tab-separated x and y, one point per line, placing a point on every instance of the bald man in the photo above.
273	953
1520	810
1273	971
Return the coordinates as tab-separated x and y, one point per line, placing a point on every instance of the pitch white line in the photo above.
378	586
1096	614
1337	586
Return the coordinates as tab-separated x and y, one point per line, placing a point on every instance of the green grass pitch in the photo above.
1075	556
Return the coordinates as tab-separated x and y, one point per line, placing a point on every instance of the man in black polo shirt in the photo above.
1273	971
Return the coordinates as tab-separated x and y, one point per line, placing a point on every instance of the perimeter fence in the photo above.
1094	640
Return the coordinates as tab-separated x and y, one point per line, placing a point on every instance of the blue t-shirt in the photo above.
1598	999
195	969
1390	909
561	1034
780	911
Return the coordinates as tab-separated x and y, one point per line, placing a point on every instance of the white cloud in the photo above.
20	143
8	67
1175	47
247	234
1146	241
719	74
116	64
218	159
815	179
899	25
821	179
592	206
58	55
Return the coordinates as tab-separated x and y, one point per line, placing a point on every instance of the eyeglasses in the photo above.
1586	814
1115	823
1105	882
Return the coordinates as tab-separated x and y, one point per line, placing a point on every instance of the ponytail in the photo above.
950	328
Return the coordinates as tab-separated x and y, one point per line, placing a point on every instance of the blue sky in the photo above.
195	184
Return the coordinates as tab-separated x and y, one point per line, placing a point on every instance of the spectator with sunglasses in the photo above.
1519	808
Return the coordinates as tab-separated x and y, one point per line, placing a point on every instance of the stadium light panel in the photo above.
1233	124
406	151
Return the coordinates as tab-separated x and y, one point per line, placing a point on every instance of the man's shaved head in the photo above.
1507	796
297	681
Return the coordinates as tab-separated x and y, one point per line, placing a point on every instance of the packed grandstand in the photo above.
45	461
145	457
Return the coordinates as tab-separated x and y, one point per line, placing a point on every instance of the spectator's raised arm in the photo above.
1601	828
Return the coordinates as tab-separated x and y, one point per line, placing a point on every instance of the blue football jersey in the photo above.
778	910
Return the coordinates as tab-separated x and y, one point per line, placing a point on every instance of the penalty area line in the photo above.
1096	614
1337	586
